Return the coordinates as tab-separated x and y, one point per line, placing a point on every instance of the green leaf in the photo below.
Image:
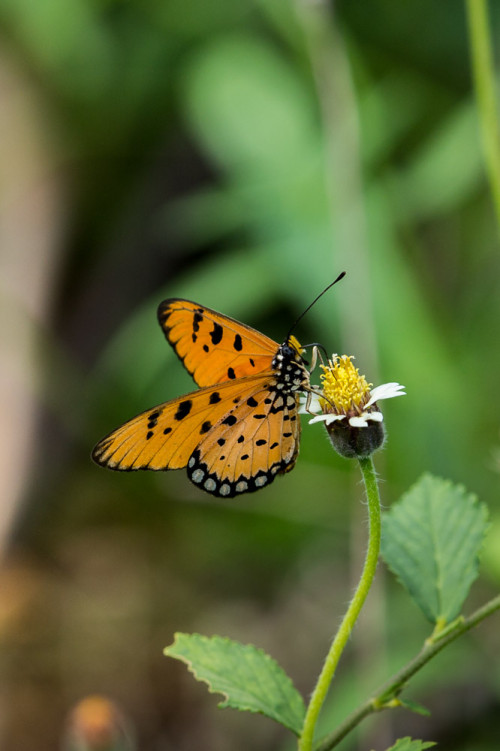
431	540
247	677
406	744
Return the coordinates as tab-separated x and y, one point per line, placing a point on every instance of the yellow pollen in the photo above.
343	386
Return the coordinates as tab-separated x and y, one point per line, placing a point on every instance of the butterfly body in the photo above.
240	429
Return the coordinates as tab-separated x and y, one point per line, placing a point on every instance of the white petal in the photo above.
386	391
327	419
358	422
314	404
375	416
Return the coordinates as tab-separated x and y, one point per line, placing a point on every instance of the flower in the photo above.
349	407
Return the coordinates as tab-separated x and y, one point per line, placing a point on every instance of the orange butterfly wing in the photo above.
233	438
214	348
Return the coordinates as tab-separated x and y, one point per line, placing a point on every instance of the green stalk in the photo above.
319	694
484	80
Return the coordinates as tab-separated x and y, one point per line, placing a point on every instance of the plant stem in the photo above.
484	80
319	694
389	691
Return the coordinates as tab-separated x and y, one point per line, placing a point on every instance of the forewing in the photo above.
165	436
250	446
214	348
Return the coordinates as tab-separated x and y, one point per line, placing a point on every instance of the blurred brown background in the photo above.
241	155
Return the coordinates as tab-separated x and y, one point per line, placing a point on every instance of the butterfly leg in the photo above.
310	393
316	355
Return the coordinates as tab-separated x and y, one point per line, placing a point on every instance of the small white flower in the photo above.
342	379
347	401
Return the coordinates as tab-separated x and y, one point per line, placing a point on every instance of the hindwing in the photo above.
233	438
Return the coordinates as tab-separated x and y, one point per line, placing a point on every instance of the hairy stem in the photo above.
386	696
319	694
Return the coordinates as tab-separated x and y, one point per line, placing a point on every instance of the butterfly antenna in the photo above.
340	276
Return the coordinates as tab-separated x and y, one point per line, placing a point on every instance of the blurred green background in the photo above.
240	155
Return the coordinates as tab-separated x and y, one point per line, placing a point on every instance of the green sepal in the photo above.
414	706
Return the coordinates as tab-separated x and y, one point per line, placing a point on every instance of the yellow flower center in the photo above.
343	387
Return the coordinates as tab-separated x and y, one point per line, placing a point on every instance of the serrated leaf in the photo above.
430	540
407	744
248	678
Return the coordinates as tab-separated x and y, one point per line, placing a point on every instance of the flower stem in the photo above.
319	694
484	79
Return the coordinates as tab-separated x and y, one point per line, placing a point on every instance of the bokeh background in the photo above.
240	155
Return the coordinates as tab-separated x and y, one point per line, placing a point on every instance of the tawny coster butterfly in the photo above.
241	428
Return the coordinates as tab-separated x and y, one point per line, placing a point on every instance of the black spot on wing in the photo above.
216	333
206	427
238	344
230	373
183	409
252	402
197	318
229	420
214	397
153	419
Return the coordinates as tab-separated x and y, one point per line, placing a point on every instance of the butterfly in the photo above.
241	428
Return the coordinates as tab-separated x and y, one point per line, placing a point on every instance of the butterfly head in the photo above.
290	365
293	344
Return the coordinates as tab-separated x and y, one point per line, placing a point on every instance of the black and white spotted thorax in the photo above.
290	367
